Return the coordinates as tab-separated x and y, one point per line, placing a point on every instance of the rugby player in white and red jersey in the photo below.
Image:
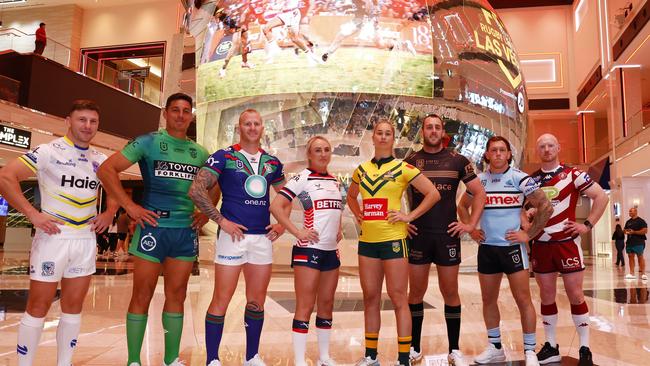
557	248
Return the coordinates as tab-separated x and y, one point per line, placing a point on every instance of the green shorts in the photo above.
157	243
636	249
384	249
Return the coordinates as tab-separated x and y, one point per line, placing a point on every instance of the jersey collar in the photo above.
382	161
69	142
326	174
237	147
504	172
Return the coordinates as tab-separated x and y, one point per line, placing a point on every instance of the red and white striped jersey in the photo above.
562	186
321	200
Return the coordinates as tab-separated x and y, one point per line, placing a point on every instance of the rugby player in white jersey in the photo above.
64	246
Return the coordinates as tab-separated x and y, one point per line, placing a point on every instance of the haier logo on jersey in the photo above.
73	182
503	200
169	169
328	204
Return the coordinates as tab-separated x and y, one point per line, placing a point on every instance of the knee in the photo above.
255	305
489	300
449	293
325	304
398	297
38	308
575	296
305	307
371	301
417	292
523	300
142	296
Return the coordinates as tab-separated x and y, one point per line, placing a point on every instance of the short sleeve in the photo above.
294	186
356	175
466	171
527	185
643	223
36	159
409	172
278	174
137	148
582	180
216	163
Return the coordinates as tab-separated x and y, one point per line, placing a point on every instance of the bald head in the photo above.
548	148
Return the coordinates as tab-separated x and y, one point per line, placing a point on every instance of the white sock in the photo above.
29	334
323	343
299	348
550	323
582	327
66	337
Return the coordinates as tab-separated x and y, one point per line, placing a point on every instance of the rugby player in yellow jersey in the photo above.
382	243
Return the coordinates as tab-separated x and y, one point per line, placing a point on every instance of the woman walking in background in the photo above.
619	240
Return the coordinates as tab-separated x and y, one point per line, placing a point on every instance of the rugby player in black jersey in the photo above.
438	232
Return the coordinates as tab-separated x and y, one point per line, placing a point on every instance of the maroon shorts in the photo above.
563	257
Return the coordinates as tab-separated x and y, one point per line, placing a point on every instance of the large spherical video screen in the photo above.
335	67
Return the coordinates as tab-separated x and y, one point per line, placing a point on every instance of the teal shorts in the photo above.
157	243
636	249
384	250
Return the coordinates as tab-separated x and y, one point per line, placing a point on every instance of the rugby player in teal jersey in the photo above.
165	236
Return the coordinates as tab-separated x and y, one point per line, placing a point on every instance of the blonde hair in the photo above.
313	139
381	121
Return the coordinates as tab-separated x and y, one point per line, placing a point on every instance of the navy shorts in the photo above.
157	243
322	260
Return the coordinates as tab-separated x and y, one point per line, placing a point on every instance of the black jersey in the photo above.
445	169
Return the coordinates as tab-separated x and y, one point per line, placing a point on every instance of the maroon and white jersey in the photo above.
562	186
321	200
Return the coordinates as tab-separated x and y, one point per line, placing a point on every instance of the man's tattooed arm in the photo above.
200	194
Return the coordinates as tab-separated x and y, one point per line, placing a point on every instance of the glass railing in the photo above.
19	41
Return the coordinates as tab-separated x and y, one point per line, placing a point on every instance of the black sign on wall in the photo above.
15	137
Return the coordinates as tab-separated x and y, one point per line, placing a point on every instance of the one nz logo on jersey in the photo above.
170	169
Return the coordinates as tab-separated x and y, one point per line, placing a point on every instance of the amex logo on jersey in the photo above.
169	169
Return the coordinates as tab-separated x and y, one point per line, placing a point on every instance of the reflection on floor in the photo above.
620	328
347	302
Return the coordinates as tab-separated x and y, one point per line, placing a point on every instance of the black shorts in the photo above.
121	236
322	260
493	259
441	249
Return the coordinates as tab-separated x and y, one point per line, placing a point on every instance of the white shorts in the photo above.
253	249
54	258
291	19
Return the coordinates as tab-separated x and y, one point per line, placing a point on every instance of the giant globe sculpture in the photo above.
365	60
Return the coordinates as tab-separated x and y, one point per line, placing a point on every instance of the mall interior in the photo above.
578	69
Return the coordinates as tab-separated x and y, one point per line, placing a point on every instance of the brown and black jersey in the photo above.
445	169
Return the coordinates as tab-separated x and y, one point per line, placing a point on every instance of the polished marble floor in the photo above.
619	316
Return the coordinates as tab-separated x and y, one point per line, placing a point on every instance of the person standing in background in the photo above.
635	229
619	238
41	40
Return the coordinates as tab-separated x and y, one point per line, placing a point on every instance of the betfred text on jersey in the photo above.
170	169
328	204
73	182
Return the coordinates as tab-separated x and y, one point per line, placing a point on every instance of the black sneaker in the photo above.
324	57
585	357
549	354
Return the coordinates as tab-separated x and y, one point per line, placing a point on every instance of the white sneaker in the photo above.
630	276
215	363
327	362
644	277
134	364
255	361
490	355
177	362
247	65
367	361
415	357
531	358
455	358
222	72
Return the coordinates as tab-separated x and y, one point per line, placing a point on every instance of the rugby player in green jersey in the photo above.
165	235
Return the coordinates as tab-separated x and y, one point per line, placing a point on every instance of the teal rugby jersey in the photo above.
168	166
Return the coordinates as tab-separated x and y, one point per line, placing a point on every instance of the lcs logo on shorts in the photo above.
148	243
569	263
47	269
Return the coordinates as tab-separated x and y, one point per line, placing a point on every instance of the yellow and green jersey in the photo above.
382	184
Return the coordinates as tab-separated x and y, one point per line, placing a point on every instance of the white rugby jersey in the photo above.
67	181
321	199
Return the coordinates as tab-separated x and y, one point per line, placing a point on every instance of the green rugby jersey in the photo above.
168	166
